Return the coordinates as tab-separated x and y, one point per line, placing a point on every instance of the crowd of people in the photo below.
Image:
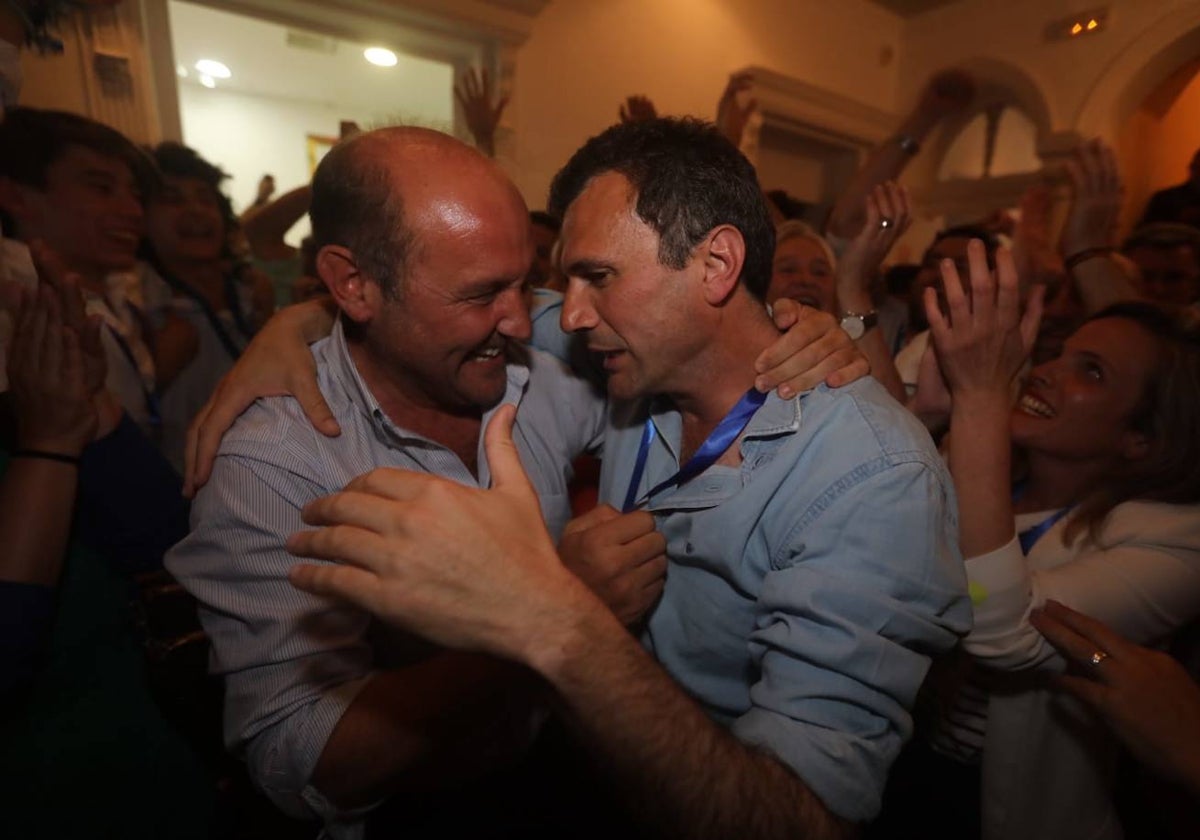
668	510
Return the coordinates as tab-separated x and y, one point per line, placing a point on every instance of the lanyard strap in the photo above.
152	406
214	321
714	445
1030	536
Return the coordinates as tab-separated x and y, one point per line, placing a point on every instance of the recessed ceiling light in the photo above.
207	80
213	68
380	56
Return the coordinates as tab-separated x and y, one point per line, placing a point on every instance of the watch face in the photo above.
853	325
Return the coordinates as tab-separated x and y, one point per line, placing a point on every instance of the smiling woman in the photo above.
1105	520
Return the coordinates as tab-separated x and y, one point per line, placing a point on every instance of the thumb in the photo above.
308	394
503	458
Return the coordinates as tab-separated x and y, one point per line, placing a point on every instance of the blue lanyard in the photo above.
153	409
714	445
1029	537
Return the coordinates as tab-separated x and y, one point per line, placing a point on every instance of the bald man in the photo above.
425	247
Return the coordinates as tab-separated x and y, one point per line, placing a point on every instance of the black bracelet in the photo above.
1083	256
48	456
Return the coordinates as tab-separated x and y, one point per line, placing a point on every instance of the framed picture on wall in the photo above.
318	145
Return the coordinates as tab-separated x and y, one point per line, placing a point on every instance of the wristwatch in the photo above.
907	144
856	324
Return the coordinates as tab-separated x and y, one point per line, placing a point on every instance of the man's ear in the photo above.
356	294
723	253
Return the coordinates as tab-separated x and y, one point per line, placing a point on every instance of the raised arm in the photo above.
947	92
265	225
636	108
888	216
481	108
981	344
1088	241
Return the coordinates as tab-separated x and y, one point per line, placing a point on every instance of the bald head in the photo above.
378	192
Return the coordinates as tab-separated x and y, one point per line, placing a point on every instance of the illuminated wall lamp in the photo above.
1078	25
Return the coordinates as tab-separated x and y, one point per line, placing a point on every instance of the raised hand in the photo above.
983	340
889	215
67	287
1033	250
733	114
466	568
637	108
947	92
55	409
1096	193
621	557
481	109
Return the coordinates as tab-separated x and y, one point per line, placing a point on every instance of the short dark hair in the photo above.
179	161
32	140
544	219
355	205
182	161
689	179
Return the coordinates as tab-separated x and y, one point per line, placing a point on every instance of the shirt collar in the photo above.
774	417
341	365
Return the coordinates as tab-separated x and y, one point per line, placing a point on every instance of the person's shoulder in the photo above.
1174	527
277	427
863	418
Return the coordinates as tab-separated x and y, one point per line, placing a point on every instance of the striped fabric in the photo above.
292	662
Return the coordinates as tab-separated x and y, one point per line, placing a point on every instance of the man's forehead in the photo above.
606	202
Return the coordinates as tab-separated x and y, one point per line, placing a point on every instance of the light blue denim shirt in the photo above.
293	662
808	587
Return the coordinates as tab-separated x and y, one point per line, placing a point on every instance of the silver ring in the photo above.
1098	657
885	223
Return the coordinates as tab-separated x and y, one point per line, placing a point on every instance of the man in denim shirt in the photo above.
812	541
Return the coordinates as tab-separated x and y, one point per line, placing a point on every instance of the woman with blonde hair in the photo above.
1103	519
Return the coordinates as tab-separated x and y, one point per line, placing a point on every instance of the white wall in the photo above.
583	57
248	136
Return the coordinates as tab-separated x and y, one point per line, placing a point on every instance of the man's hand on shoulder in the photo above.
813	349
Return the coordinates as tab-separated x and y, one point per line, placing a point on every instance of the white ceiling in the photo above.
263	63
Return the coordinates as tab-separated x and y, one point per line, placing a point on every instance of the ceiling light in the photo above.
181	71
213	68
207	80
380	56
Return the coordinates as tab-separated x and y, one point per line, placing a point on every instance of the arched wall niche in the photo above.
945	188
